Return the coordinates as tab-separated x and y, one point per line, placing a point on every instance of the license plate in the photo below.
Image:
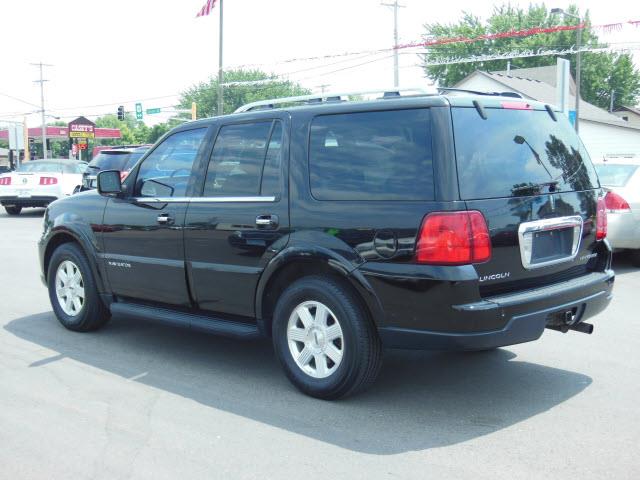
552	244
24	194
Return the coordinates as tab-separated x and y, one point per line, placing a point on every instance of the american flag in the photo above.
206	8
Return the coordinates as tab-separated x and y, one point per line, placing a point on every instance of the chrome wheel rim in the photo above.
315	338
69	288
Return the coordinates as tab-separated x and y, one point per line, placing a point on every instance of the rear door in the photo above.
241	220
532	179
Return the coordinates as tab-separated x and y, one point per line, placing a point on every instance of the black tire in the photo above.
635	258
362	350
93	314
13	209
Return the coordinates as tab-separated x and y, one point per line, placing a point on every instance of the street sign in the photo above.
16	136
82	146
138	111
82	128
572	117
151	111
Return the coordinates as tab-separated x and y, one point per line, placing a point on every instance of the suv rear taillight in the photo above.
615	203
601	219
453	238
5	181
48	180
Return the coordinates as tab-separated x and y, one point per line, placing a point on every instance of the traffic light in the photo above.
120	112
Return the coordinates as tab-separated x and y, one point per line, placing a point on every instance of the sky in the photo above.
119	52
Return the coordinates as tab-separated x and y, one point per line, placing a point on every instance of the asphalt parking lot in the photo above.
139	400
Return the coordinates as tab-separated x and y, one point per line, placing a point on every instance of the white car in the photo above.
39	182
621	180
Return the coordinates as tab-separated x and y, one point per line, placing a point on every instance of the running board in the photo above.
202	323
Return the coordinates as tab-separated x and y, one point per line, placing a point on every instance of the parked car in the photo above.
121	159
621	181
435	221
37	183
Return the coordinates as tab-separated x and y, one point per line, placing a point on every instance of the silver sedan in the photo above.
621	180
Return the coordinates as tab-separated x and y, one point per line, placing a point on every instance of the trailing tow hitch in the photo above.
568	320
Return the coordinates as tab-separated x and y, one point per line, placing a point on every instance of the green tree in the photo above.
205	94
601	72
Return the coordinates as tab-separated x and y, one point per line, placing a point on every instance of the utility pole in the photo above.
396	73
220	99
323	87
42	111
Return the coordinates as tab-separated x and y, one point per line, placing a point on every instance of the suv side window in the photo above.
245	160
383	155
166	171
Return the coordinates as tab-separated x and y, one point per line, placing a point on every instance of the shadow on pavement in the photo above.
421	400
26	213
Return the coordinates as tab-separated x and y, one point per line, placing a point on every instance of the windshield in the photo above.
40	167
110	161
518	153
614	175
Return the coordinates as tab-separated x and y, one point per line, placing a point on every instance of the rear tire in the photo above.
324	340
72	290
13	209
635	258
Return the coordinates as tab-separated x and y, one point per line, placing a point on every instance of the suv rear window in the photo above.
371	156
111	160
518	153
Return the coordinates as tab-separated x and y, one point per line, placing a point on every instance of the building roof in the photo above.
544	92
633	110
547	74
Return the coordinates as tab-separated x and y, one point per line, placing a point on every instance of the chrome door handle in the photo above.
165	219
267	221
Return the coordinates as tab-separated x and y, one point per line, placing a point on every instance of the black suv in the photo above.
337	228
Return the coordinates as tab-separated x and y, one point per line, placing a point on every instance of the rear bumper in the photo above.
32	201
527	314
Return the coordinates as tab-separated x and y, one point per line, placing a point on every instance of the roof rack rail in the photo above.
333	97
478	92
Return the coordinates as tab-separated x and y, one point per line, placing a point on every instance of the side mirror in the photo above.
109	183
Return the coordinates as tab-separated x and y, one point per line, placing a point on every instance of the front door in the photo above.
241	220
143	232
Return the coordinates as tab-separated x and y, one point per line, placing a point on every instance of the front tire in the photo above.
13	209
635	258
72	290
324	340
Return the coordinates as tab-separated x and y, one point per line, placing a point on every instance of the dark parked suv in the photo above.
117	158
434	221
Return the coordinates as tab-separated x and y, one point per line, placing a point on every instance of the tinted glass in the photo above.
614	175
132	160
238	156
52	167
110	161
518	153
372	156
166	171
74	167
271	174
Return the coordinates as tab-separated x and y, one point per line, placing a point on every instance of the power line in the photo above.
19	100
